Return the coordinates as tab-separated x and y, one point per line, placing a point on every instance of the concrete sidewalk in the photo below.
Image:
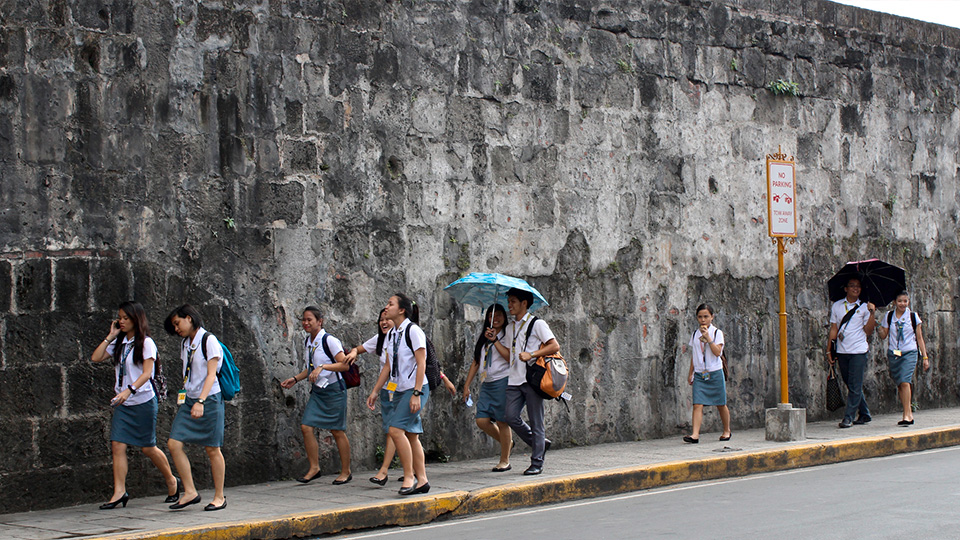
287	509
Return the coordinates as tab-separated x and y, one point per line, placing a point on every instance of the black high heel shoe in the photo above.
176	494
113	504
178	506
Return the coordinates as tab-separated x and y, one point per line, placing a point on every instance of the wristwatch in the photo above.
132	389
417	393
200	401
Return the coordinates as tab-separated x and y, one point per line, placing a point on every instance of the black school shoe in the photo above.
861	420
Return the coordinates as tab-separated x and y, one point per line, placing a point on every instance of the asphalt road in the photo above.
905	496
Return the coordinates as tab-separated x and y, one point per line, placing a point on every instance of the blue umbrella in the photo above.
480	289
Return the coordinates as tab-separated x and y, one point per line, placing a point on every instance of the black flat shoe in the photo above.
306	480
727	438
501	469
379	481
422	489
211	507
178	506
113	504
408	490
691	440
176	496
905	423
342	482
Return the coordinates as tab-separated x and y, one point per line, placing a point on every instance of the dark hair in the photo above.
482	339
183	312
704	306
409	307
522	295
141	329
902	293
381	335
315	310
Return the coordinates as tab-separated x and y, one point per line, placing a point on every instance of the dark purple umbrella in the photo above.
881	281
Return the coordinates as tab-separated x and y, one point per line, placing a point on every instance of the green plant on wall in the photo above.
781	87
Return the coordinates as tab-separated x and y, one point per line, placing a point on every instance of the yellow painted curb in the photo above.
397	513
597	484
614	481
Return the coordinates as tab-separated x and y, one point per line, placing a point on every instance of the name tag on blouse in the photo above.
181	397
896	352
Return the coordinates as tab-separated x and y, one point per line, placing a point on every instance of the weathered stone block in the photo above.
90	385
149	287
111	284
33	285
12	47
31	391
6	285
300	156
17	438
73	441
72	285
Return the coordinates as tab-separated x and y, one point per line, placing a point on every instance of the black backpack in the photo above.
913	320
433	365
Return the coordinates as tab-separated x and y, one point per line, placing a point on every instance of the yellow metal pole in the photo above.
784	385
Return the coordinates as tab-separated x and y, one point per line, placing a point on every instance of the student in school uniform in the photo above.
494	370
902	330
376	345
521	351
404	375
200	417
134	420
327	407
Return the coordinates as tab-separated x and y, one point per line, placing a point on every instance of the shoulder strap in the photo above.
406	337
913	320
533	321
203	346
890	318
326	348
849	315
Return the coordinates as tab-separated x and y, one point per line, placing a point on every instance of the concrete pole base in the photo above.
786	423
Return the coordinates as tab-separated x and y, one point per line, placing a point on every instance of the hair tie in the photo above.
413	302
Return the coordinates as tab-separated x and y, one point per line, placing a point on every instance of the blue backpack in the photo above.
229	374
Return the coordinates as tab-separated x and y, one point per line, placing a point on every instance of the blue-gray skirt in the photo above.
402	417
492	402
386	409
709	392
327	408
206	430
135	425
902	367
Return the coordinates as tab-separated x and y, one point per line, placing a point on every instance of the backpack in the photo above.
723	356
159	382
349	378
548	374
913	320
229	373
433	365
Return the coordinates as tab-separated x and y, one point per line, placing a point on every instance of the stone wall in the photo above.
256	157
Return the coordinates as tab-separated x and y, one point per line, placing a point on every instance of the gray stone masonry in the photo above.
255	157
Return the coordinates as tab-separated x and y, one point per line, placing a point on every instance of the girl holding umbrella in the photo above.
494	370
